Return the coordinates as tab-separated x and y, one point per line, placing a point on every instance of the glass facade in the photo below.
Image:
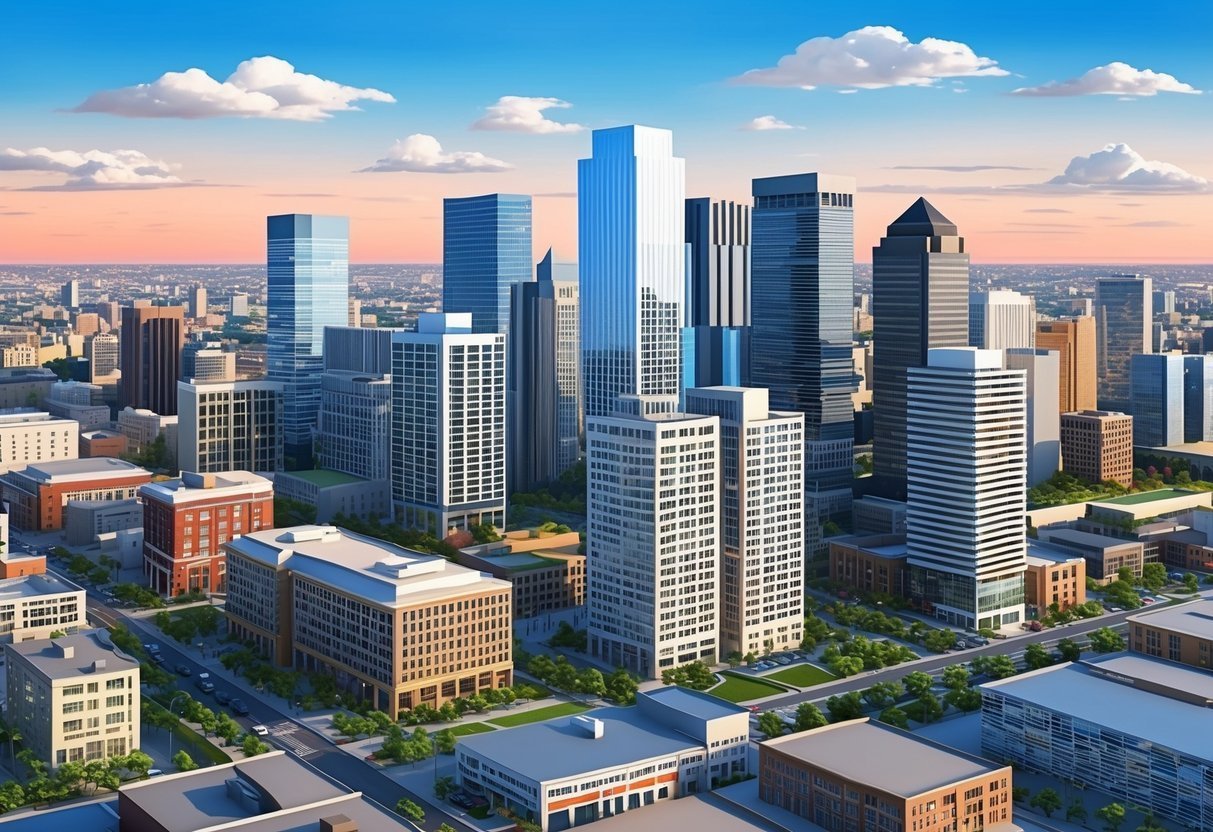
1123	317
309	285
1157	399
1198	398
486	248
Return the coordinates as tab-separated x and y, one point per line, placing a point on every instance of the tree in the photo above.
1036	657
845	706
410	810
964	699
1154	576
1191	583
444	741
1069	650
1076	812
770	723
999	667
443	786
12	796
931	707
882	694
138	763
845	665
445	827
590	680
809	716
253	746
1046	800
183	761
1112	815
621	687
939	641
917	683
734	659
1107	640
1019	793
955	677
895	716
1124	574
1150	824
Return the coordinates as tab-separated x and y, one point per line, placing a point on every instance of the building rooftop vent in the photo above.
338	823
588	725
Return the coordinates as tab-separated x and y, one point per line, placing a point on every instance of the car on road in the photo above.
222	697
183	670
238	707
158	658
261	730
204	683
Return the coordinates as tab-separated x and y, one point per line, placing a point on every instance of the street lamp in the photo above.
171	728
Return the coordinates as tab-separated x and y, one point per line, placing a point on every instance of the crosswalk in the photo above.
283	733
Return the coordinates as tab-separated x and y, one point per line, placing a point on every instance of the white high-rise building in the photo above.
1002	320
1042	369
102	353
653	540
198	302
630	219
966	463
448	424
762	519
229	426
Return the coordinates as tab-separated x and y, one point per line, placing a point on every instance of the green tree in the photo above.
443	786
444	741
931	707
955	677
590	680
770	723
1036	657
1191	583
253	746
183	761
1150	824
621	687
1112	815
12	796
964	699
445	827
999	667
845	706
1154	576
1019	793
917	683
882	694
1076	812
809	716
1107	640
895	716
734	659
1069	650
1046	800
410	810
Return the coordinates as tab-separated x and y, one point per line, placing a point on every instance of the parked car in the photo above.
238	707
222	697
158	658
782	661
183	670
261	730
1176	576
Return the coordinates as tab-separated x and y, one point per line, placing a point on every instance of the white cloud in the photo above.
265	87
520	114
420	153
1114	79
871	58
769	123
93	170
1118	167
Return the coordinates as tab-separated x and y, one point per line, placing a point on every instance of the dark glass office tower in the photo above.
1123	319
716	317
802	284
308	261
486	248
920	301
150	353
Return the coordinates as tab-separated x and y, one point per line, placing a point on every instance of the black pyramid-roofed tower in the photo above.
922	219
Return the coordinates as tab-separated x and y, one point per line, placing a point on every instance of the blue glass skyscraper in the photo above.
486	248
1156	386
307	260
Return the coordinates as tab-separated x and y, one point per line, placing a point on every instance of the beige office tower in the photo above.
1075	340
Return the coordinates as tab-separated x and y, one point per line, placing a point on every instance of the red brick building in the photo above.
38	493
95	443
186	522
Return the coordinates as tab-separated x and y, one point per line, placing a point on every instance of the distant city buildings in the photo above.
1123	318
102	351
630	220
230	426
486	249
1000	319
150	355
69	294
197	305
1198	398
308	270
1097	445
1074	341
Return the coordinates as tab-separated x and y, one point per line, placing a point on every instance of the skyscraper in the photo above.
543	390
1123	318
486	248
1002	320
803	288
920	301
965	532
1041	370
761	519
1074	340
229	426
652	579
630	221
1156	384
197	301
716	317
1198	398
448	424
309	284
150	354
354	430
69	294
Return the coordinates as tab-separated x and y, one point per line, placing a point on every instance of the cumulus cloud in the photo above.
92	170
871	58
520	114
420	153
264	87
1118	167
1116	78
768	123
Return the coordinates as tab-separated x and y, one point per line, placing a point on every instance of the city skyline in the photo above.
111	157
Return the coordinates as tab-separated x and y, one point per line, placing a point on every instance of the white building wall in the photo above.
1042	371
1001	320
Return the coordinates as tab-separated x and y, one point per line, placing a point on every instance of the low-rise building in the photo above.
1054	578
867	776
547	573
86	521
569	772
39	493
1182	633
30	436
871	563
141	426
15	562
25	387
335	492
1134	510
1097	445
73	698
186	521
878	515
35	605
1105	556
95	443
1134	727
396	627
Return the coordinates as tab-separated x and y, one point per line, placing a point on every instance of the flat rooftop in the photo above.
1136	666
1194	618
882	757
1080	692
567	751
189	486
1041	554
321	478
696	811
1087	541
32	586
1146	497
694	703
46	655
73	470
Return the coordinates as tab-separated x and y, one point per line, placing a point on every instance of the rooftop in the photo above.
31	586
695	811
72	470
322	478
1194	683
1041	554
922	219
190	486
694	703
1146	497
882	757
74	655
1078	691
1087	541
1194	618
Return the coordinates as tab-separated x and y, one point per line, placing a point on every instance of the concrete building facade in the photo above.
29	436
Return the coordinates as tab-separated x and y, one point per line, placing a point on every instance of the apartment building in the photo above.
397	627
38	603
546	572
28	435
186	521
74	698
38	494
1054	578
1182	633
866	776
1105	556
1097	445
230	426
871	563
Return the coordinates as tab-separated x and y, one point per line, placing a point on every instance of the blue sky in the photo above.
614	63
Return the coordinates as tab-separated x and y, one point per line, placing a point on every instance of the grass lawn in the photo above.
539	714
736	688
803	675
469	728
